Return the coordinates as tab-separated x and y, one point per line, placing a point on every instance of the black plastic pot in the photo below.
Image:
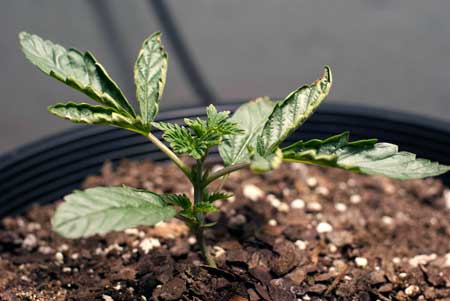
45	170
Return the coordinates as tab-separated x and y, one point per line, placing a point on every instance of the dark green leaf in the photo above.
102	209
250	117
364	156
150	76
78	70
90	114
291	112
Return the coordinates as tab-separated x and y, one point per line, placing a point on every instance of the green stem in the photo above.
224	171
200	235
198	229
170	154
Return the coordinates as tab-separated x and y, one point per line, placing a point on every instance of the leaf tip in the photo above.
328	75
23	35
156	36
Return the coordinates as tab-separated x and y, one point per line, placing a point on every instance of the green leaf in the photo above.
90	114
211	197
250	117
291	112
363	156
181	139
102	209
78	70
266	162
181	200
212	130
199	135
150	72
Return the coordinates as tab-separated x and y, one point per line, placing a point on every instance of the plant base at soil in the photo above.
298	233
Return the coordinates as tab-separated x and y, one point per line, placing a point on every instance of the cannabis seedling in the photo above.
250	138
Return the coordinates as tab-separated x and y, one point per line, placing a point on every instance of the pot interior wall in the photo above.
48	169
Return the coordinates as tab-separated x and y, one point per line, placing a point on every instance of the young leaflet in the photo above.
250	138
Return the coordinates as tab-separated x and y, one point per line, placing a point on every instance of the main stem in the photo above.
198	229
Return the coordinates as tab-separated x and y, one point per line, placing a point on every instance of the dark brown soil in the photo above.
308	234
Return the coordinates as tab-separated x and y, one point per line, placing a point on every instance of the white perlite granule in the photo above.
447	260
447	198
387	220
341	207
298	204
30	242
301	244
273	200
324	227
149	244
311	182
355	199
412	290
59	257
361	262
107	298
252	192
314	206
192	240
422	259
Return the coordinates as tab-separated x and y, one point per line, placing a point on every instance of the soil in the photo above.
298	233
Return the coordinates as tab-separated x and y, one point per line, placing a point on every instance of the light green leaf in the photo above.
291	112
150	76
103	209
267	162
78	70
250	117
90	114
363	156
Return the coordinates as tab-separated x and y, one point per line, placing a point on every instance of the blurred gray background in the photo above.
393	54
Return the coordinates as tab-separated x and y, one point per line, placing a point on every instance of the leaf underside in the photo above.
363	156
80	71
103	209
250	117
291	112
150	72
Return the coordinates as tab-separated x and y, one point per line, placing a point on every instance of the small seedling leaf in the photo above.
80	71
181	200
363	156
150	72
103	209
211	197
198	135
